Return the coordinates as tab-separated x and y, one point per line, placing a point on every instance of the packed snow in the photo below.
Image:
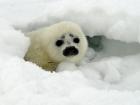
108	77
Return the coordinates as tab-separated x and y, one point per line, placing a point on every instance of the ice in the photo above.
108	77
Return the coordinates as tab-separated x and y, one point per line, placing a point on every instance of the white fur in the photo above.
43	49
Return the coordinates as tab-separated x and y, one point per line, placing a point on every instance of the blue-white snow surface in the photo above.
111	78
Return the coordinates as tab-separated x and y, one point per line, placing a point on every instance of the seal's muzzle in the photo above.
70	51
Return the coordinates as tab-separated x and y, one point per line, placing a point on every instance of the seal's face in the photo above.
67	47
68	44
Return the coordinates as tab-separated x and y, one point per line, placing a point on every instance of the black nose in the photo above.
70	51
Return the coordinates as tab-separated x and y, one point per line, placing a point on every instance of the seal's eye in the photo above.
59	43
76	40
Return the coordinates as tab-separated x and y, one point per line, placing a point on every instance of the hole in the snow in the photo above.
108	47
105	48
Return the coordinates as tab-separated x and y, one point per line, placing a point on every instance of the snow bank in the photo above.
113	80
96	17
12	42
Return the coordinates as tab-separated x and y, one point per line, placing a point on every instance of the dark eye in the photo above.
59	43
76	40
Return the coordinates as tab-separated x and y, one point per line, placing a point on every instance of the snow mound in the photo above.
12	42
104	78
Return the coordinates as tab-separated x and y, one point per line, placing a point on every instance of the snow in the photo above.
109	77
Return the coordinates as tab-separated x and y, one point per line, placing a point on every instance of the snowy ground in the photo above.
110	77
